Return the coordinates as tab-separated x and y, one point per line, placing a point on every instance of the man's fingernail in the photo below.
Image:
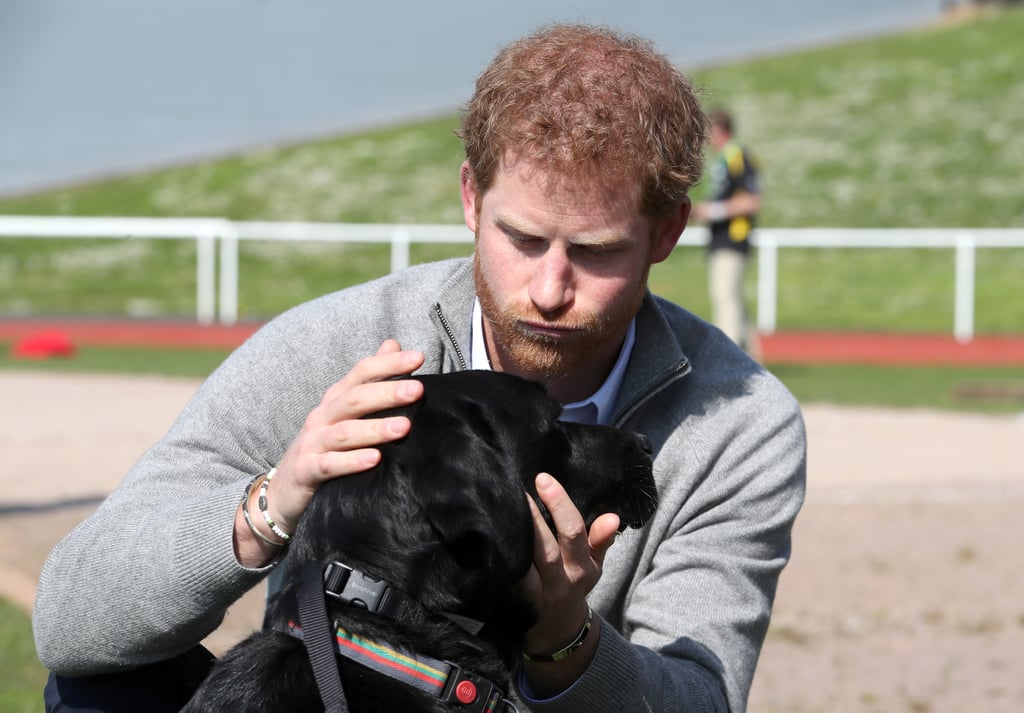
544	481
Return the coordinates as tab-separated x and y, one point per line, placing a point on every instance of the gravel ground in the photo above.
905	592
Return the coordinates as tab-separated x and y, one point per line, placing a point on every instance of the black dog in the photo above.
440	532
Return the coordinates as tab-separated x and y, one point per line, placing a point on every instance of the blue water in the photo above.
99	87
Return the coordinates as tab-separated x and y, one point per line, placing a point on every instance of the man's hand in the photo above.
336	440
566	566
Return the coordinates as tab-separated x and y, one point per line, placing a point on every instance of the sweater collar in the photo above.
657	358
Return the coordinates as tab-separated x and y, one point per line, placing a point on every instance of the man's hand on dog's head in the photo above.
457	535
566	567
336	440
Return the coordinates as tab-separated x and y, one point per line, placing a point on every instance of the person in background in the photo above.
735	199
581	146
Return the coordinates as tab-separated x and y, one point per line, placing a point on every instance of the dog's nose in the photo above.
644	442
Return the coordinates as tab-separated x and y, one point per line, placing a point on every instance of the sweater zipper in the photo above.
451	336
681	370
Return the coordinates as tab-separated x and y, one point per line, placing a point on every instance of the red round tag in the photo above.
465	692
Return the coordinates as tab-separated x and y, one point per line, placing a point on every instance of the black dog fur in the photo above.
444	519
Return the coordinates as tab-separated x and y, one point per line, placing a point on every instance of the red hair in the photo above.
587	103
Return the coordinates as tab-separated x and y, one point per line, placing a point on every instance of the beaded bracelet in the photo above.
563	654
248	517
262	503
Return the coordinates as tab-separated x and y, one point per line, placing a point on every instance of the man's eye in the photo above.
524	242
596	250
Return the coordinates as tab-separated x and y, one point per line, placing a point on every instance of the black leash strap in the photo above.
319	639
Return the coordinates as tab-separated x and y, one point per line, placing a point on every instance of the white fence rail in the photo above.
208	232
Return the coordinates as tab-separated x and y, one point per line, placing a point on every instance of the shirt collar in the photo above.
596	408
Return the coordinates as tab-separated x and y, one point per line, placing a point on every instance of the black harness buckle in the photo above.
352	587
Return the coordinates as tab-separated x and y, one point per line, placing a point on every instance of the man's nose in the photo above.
552	285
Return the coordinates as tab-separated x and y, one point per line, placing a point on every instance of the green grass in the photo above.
916	129
891	290
123	360
400	174
934	387
920	129
22	677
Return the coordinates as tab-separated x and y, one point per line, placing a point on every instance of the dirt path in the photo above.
905	593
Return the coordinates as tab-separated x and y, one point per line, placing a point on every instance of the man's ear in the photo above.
468	190
668	229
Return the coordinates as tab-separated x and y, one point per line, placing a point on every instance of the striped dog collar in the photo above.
449	682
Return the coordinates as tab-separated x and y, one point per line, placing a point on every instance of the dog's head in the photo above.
444	516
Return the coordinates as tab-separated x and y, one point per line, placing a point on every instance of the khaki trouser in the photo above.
726	269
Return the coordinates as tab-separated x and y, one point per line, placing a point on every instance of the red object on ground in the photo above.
44	345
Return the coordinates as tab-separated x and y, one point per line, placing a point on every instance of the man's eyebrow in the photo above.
605	241
600	241
506	226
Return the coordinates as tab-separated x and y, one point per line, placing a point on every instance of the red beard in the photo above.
546	358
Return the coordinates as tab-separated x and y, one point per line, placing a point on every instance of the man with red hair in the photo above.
581	147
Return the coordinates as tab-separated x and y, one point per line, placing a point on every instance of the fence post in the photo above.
767	281
399	250
206	257
963	320
228	273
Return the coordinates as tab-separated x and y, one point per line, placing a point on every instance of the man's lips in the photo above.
548	331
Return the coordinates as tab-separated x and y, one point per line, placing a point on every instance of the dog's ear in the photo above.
471	491
495	540
488	531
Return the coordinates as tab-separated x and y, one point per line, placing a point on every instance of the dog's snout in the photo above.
645	443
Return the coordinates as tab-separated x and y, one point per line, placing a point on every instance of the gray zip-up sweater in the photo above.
688	597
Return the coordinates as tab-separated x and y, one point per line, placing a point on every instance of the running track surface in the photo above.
781	347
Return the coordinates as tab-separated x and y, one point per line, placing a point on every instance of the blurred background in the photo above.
269	152
863	115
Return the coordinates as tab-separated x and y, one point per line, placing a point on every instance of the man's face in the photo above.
718	137
560	271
